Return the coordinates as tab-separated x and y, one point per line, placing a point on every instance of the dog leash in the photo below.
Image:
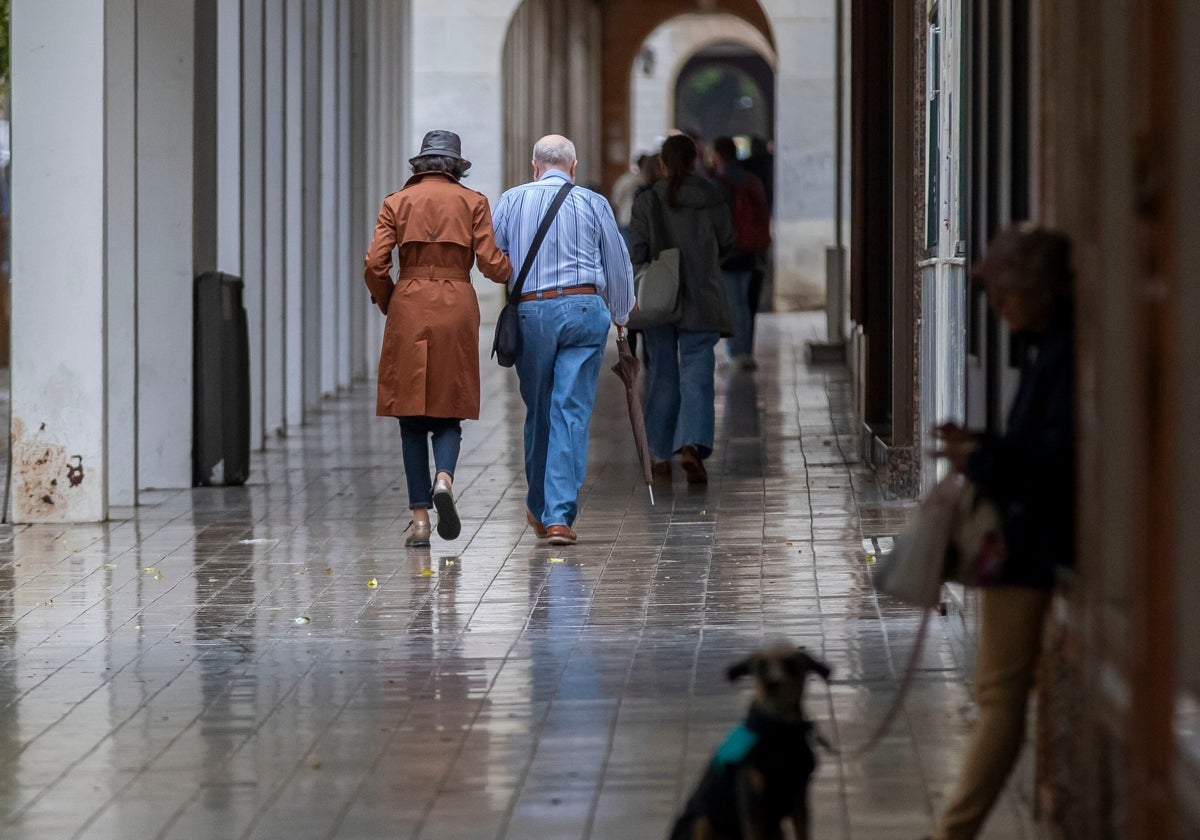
888	719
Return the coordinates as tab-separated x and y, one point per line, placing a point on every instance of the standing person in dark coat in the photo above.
650	170
429	363
680	402
1029	472
761	164
737	269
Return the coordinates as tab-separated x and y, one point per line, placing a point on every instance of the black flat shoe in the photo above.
693	466
449	526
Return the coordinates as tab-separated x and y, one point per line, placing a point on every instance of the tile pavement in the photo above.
270	662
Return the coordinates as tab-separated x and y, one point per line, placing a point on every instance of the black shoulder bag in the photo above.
507	343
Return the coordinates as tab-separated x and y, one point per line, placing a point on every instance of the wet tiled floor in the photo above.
270	662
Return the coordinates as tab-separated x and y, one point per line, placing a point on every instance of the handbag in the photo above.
506	344
956	536
656	284
977	550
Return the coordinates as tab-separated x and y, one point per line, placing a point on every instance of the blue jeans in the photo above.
679	391
414	437
737	292
562	345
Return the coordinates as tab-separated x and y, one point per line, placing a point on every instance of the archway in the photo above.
629	25
667	51
726	89
557	56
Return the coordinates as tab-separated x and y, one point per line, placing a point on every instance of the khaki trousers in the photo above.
1010	635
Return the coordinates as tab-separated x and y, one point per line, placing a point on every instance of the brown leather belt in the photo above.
550	294
433	272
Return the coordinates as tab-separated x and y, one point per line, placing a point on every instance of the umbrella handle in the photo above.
622	332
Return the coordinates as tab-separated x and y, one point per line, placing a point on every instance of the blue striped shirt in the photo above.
582	248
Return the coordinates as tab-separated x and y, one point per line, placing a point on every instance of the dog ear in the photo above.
810	663
741	669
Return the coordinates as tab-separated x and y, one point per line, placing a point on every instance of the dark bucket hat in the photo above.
441	143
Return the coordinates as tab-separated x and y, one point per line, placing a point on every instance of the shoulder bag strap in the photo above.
547	220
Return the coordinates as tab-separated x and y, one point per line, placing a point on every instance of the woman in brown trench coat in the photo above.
429	365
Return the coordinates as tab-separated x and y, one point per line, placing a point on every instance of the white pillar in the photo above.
377	69
310	362
229	137
165	103
361	191
58	262
252	216
274	220
120	228
328	222
294	213
344	275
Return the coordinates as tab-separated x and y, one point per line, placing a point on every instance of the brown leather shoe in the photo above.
660	470
693	466
539	530
561	535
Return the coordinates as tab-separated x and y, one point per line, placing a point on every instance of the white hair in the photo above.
554	151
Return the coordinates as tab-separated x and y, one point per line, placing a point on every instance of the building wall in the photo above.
1117	144
457	84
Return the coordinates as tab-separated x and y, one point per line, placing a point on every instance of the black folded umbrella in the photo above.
627	368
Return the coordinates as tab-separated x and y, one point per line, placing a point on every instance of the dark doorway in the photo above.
726	90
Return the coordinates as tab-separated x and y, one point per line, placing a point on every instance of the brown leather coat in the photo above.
429	365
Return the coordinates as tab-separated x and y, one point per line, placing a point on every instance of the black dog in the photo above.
760	775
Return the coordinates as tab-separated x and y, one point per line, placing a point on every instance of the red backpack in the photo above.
751	216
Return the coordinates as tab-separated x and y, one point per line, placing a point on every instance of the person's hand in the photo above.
622	331
957	444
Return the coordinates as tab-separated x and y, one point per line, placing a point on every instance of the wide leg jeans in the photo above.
680	396
562	346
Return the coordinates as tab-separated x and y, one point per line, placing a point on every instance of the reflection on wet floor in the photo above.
218	664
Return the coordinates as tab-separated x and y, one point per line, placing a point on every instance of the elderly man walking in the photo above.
580	280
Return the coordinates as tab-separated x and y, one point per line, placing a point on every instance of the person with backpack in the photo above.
751	213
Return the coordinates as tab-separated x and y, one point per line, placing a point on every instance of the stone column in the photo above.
344	270
165	102
313	235
361	195
252	197
328	222
274	218
58	262
293	212
121	243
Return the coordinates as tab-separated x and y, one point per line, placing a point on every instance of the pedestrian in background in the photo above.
761	164
751	218
680	400
1028	471
651	173
579	282
623	192
429	364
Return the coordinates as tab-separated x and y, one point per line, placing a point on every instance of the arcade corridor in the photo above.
270	662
